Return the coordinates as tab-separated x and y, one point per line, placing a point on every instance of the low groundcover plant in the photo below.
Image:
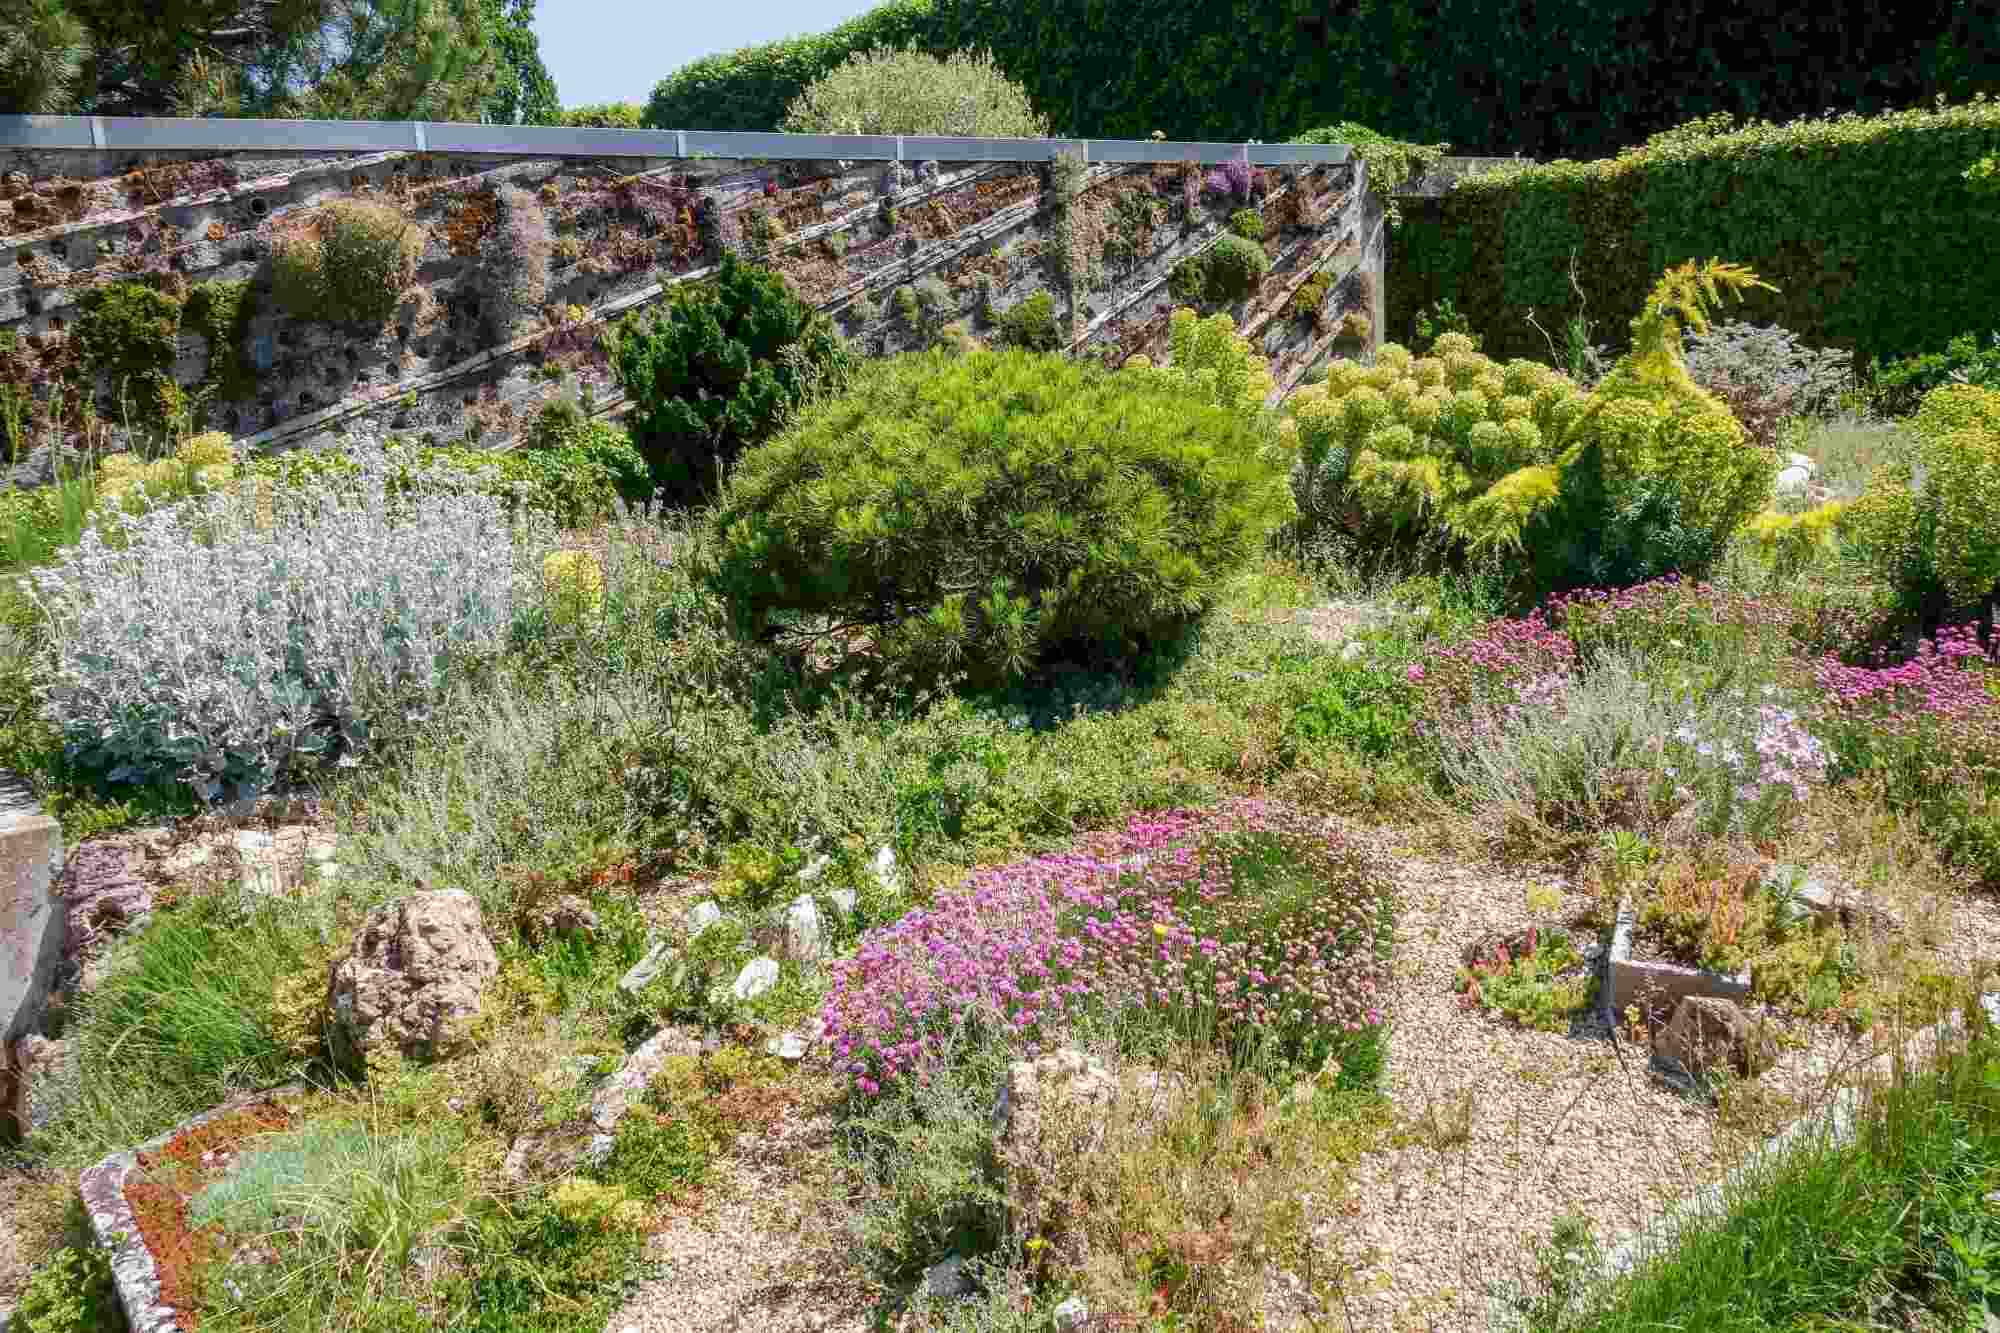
1250	923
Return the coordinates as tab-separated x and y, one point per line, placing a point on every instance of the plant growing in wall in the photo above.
349	264
718	368
127	332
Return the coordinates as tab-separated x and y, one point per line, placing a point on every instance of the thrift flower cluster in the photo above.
1935	718
1251	920
1474	685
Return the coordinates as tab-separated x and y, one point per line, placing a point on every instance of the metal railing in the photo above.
164	134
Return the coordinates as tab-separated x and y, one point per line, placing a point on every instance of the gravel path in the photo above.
767	1250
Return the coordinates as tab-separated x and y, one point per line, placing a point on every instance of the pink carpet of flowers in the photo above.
1936	715
1252	919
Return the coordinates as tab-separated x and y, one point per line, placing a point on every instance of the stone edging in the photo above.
1627	979
117	1229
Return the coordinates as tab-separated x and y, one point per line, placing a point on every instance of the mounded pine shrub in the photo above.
982	513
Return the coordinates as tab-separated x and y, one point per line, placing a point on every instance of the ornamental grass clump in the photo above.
1246	926
234	639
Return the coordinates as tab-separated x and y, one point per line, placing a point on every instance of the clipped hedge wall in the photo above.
1867	226
1565	77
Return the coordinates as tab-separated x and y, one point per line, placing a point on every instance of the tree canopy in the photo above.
325	59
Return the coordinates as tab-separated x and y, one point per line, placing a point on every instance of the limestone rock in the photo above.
648	969
1072	1314
571	915
886	872
701	916
786	1046
1707	1033
414	977
103	894
1794	482
32	920
946	1279
804	941
758	975
1051	1114
42	1081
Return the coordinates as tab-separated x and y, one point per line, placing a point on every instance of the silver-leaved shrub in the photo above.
238	638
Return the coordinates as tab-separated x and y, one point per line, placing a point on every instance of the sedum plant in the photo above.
235	639
981	512
1645	474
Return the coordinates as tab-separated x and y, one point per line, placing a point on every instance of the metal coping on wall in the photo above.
162	134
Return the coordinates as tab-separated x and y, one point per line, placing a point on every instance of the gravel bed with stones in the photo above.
1516	1128
769	1248
1509	1131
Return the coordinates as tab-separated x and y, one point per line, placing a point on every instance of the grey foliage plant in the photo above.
237	639
1769	366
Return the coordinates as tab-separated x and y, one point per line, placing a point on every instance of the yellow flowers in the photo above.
574	584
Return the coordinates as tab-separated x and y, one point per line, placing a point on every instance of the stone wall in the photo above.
469	354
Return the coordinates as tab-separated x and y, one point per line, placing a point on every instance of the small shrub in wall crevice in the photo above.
349	264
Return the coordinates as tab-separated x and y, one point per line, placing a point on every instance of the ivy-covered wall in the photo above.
1866	225
1561	78
209	291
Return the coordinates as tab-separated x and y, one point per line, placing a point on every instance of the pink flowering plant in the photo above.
1713	637
1927	730
1252	926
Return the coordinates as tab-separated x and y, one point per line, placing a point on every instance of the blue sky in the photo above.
616	50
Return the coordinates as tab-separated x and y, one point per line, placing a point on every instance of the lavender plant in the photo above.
233	639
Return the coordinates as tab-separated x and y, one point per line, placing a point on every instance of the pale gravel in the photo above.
1560	1124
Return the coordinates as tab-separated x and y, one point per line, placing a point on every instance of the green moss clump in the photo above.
1031	324
1247	223
128	331
221	312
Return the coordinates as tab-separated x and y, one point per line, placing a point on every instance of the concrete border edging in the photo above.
1629	980
116	1228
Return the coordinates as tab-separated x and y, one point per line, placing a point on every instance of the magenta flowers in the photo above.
1253	921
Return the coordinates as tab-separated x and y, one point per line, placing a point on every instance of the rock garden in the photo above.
998	841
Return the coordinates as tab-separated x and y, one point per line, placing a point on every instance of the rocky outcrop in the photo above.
1708	1034
413	980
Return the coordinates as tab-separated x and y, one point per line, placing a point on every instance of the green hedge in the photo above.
1566	77
1867	226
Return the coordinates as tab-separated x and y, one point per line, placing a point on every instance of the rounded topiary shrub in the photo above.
911	92
985	512
349	265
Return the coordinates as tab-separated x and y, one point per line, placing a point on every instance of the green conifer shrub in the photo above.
987	512
718	368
